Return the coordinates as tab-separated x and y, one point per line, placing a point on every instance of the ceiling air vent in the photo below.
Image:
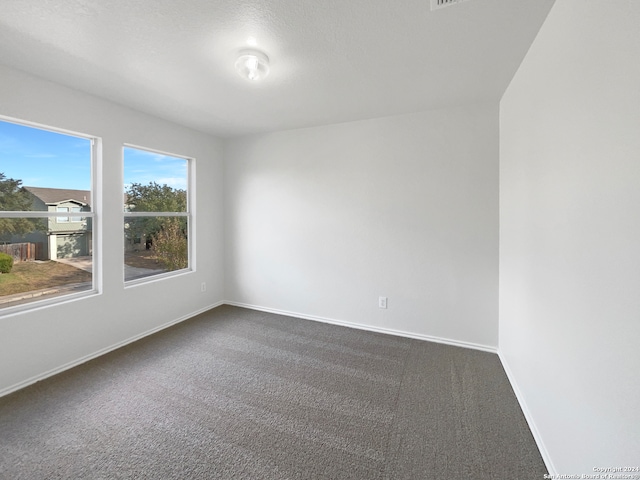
437	4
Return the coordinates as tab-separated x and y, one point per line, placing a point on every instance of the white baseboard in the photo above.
91	356
529	418
360	326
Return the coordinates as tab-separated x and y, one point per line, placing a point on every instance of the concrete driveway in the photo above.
83	263
86	264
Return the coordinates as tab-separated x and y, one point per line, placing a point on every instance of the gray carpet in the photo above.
239	394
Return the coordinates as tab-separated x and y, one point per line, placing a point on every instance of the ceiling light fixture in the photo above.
252	64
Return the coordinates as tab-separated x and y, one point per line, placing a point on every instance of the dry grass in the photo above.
29	276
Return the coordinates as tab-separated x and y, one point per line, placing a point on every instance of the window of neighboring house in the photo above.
158	220
65	210
45	174
76	210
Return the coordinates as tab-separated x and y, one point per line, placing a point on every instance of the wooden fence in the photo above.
21	252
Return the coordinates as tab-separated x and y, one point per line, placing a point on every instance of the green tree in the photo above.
166	235
14	198
156	198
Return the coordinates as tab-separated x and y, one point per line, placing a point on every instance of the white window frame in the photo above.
94	214
189	214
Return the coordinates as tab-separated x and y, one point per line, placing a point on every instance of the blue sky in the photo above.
141	166
41	158
44	159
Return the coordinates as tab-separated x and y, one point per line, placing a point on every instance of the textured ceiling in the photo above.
331	60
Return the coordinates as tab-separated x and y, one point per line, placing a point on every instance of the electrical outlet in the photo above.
203	287
382	302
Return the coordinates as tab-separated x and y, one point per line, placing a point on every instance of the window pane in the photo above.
47	161
154	182
76	210
155	245
62	219
44	171
45	264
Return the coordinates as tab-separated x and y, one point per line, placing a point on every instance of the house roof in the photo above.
52	196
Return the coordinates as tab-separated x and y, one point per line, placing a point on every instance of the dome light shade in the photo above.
252	64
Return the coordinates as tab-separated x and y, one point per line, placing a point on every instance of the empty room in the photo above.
343	239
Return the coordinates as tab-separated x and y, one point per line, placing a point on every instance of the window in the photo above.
44	175
157	214
64	210
76	210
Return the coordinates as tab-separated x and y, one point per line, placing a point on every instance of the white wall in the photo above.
322	221
570	234
41	341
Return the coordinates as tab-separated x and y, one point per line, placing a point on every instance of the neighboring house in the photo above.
134	240
68	236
